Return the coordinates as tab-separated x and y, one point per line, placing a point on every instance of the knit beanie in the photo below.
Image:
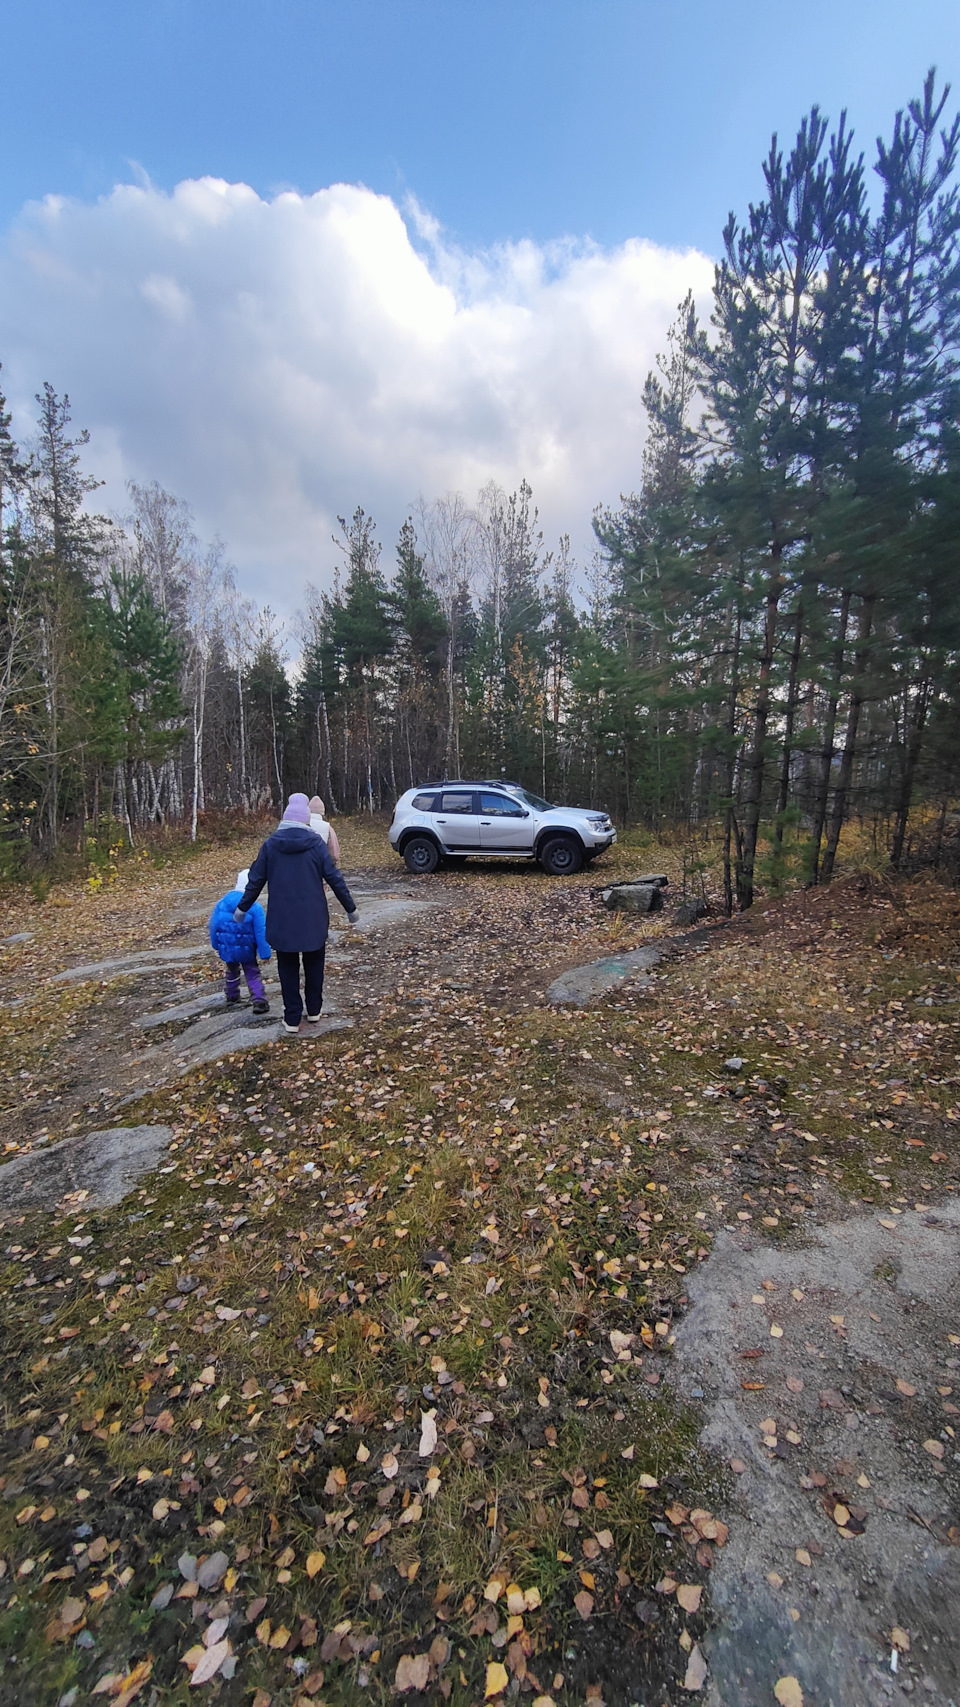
298	810
243	878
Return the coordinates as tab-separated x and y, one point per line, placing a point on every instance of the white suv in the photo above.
455	820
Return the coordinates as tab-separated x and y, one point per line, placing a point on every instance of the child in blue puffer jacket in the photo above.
238	945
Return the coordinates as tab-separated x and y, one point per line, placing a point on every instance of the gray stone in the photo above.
181	1010
901	1570
635	898
105	1164
149	960
191	1051
689	912
20	936
734	1064
583	984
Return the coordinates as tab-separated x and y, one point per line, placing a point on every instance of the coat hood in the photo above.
293	838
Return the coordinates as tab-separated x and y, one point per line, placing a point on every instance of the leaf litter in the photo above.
458	1243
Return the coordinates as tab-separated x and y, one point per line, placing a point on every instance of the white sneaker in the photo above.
313	1018
293	1029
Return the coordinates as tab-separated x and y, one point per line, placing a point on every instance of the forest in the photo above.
764	649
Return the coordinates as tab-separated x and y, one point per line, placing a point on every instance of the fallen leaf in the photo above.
315	1563
841	1515
428	1434
413	1672
788	1692
688	1596
497	1680
905	1388
389	1465
583	1603
211	1662
494	1589
696	1673
776	1332
934	1447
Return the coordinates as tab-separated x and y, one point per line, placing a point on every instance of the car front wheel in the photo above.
421	855
561	856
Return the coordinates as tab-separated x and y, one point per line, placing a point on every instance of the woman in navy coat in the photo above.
294	861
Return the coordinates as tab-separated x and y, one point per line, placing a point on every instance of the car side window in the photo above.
455	803
500	806
423	802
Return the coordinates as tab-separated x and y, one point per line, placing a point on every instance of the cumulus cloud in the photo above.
277	362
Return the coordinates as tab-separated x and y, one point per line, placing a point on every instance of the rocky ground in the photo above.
585	1332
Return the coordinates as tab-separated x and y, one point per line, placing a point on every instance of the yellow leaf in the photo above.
497	1680
494	1588
788	1692
280	1637
315	1563
688	1596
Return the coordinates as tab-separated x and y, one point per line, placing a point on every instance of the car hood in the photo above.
568	812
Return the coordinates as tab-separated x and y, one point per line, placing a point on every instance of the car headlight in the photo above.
600	823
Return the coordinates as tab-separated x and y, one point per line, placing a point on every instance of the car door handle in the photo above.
485	823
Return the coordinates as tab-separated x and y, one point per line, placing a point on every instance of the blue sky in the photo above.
506	118
277	358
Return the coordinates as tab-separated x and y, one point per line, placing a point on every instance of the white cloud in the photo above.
278	362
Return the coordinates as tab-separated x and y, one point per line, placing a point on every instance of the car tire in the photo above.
561	856
421	855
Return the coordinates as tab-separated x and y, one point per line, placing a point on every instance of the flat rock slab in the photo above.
106	1164
584	984
199	1054
180	1010
380	910
874	1304
149	960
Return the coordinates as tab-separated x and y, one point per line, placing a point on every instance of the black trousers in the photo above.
288	971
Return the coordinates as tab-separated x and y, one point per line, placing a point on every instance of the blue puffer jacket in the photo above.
235	942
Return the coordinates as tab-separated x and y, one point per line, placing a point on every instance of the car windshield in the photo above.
532	800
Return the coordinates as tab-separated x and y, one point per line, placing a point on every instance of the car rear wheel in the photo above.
421	855
561	856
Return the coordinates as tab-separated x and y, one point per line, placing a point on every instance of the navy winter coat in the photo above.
295	862
235	942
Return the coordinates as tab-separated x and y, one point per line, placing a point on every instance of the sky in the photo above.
291	256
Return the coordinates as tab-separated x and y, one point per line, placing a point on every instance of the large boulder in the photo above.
640	895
